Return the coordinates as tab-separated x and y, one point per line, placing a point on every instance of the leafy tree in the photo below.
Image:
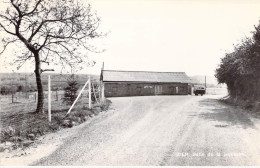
48	31
240	70
70	91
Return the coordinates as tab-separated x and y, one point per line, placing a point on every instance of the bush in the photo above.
20	88
240	69
70	91
8	90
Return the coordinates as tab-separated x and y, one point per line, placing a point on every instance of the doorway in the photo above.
158	89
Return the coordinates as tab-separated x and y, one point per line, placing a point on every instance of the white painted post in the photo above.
77	97
89	93
49	99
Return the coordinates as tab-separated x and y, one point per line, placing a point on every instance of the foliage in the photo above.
70	91
48	31
20	88
8	90
59	30
240	70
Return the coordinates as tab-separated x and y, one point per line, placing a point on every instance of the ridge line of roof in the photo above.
142	71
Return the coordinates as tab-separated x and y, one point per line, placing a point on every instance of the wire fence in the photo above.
25	99
18	96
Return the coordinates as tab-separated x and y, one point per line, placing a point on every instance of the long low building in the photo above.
143	83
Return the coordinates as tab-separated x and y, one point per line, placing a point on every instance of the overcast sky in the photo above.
169	35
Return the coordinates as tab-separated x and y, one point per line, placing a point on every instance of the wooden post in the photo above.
102	92
57	96
49	99
89	93
25	87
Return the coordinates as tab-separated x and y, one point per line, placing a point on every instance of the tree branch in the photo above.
8	19
17	8
34	9
5	46
44	43
7	30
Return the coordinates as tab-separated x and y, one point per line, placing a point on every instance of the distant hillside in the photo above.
26	81
210	80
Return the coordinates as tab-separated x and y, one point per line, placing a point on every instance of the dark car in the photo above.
199	89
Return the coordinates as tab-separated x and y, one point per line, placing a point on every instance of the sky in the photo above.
167	35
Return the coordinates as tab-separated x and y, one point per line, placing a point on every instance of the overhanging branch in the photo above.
7	30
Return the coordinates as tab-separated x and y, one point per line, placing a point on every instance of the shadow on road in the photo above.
227	115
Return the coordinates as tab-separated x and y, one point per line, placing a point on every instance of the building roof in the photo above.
144	76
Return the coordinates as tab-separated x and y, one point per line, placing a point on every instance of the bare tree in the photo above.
50	31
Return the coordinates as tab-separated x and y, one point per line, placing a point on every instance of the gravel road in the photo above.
162	130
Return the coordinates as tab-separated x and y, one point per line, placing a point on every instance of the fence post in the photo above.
102	92
49	98
89	93
25	87
57	96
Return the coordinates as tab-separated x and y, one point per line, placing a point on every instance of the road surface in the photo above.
163	131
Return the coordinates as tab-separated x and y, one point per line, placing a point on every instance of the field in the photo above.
216	91
25	82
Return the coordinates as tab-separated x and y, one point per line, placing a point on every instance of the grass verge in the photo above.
26	127
252	105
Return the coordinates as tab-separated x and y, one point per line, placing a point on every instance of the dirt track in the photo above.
162	130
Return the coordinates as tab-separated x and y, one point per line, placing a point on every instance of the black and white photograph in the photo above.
129	83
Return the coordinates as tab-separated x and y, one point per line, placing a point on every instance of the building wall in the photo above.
118	89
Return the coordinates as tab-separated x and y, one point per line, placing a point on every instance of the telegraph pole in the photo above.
205	82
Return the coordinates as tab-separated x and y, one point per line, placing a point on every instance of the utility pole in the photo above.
101	87
205	82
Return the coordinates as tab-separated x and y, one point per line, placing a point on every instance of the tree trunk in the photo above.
38	72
